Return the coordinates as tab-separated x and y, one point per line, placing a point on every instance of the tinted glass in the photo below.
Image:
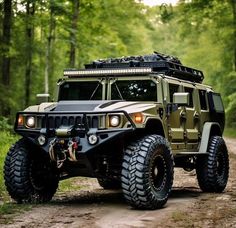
218	103
81	91
134	90
173	88
190	91
202	97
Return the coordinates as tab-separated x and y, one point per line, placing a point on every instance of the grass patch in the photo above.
69	185
9	210
12	208
230	132
6	140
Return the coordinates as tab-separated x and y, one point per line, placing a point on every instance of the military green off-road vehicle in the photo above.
126	122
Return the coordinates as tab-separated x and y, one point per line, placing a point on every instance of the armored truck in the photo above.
127	122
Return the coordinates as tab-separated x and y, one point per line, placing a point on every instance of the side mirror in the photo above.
42	97
181	98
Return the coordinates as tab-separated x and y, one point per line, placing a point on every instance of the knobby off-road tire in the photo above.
147	172
213	170
29	178
108	183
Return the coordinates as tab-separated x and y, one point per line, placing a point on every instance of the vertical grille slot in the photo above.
95	122
51	122
78	120
71	120
64	121
57	121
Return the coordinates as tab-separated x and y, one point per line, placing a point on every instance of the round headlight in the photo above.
114	121
30	121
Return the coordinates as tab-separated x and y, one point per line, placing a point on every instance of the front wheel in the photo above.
29	178
213	170
147	172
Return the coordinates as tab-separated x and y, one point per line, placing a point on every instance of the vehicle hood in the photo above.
89	106
96	106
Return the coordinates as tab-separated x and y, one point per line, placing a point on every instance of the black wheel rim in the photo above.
158	173
39	175
220	164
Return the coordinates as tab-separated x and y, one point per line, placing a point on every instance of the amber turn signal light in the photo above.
138	118
20	120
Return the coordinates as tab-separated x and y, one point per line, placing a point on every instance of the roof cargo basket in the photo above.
169	65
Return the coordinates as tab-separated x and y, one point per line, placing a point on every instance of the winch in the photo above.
62	149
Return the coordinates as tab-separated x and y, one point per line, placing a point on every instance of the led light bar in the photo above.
120	71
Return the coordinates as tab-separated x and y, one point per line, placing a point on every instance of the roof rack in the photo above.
169	65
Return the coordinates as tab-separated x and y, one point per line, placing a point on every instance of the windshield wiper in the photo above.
95	90
119	91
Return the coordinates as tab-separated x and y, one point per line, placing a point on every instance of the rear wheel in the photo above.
29	178
109	183
147	173
213	170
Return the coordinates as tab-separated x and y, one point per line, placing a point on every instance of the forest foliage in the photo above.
38	39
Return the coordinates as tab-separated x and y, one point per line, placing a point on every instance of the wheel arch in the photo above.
209	129
154	126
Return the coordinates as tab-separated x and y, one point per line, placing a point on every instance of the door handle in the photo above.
183	115
196	115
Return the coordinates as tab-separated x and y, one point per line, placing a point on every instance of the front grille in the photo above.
60	120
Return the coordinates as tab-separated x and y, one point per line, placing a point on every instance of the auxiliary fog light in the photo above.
30	121
41	140
93	139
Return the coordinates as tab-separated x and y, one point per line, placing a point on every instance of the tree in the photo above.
6	61
30	10
50	39
73	32
233	3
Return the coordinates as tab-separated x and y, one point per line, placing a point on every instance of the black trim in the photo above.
50	132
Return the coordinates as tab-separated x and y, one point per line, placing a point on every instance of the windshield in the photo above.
134	90
81	91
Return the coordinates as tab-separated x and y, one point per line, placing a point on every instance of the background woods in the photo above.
38	39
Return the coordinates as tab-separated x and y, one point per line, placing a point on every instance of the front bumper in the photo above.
80	131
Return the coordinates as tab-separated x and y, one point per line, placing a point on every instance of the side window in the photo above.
202	97
173	88
215	102
190	91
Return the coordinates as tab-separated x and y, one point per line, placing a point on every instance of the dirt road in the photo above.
95	207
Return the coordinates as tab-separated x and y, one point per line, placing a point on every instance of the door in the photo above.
192	118
176	119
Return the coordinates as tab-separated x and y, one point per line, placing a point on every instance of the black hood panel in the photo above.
78	105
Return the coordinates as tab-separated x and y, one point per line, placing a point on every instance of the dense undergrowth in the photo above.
6	140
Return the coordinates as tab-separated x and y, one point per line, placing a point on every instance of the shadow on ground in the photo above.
101	196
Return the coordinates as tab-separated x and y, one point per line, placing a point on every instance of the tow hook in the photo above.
72	148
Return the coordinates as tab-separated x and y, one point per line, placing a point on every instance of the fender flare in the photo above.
209	129
156	126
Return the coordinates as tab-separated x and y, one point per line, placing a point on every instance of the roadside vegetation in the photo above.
6	140
230	132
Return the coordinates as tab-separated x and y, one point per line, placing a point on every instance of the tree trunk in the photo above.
233	2
6	38
73	33
30	9
48	49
